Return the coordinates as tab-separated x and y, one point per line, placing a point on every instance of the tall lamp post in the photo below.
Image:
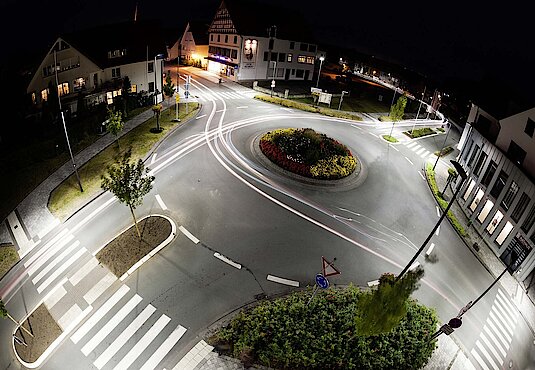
418	113
64	126
322	58
443	144
460	170
156	57
177	86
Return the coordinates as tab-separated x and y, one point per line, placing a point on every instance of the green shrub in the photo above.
389	138
334	167
419	132
440	129
286	333
447	150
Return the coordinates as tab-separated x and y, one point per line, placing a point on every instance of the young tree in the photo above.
168	88
398	110
157	109
129	182
115	124
382	309
4	314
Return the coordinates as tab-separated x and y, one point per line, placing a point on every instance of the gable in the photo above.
222	23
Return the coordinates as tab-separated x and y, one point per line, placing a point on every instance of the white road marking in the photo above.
46	246
437	231
393	147
55	296
201	116
188	234
415	148
92	214
414	265
479	359
422	176
409	145
420	151
358	128
284	281
497	344
373	283
153	159
60	270
503	315
287	109
498	333
111	324
425	154
507	308
219	111
505	330
492	349
242	107
438	211
160	202
127	333
430	250
44	258
54	262
372	134
69	316
227	260
164	349
83	271
99	288
487	355
506	299
143	343
408	160
98	315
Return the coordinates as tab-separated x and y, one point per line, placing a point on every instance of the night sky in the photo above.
442	40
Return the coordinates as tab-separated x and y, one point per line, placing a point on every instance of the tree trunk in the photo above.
19	325
135	222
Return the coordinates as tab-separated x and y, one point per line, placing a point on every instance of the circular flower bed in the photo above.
308	153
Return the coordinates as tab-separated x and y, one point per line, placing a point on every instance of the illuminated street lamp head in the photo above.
322	58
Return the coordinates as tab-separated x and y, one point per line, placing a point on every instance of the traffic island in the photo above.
31	350
126	252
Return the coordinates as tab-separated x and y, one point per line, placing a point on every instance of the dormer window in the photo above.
117	53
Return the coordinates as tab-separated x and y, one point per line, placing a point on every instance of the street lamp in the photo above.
177	99
322	58
443	144
157	56
460	170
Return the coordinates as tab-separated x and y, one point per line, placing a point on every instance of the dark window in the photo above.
465	155
530	127
234	53
211	37
218	38
150	67
299	73
479	164
520	207
312	48
271	42
116	72
151	86
528	222
499	184
266	55
489	173
282	57
293	71
303	47
273	57
235	39
473	156
509	197
292	45
226	38
516	153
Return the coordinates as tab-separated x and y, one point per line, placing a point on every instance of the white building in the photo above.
192	46
250	41
499	194
93	64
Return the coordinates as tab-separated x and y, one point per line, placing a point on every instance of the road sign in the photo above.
272	83
328	267
446	329
455	323
177	98
322	281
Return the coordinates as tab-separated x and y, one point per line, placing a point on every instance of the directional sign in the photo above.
322	281
328	267
455	323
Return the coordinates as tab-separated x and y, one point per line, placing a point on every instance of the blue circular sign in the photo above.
322	281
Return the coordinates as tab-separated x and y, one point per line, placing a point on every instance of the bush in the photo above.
389	138
419	132
287	334
447	150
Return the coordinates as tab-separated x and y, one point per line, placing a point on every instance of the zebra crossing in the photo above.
491	347
228	95
113	326
419	150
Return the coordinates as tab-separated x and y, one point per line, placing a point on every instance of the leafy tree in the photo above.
127	182
382	309
115	124
157	109
168	88
398	110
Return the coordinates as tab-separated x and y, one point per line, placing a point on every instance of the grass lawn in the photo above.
389	138
66	198
353	104
8	258
419	132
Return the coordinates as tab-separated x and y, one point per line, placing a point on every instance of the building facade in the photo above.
499	193
96	71
266	49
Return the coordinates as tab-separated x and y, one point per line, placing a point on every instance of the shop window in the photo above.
499	184
485	211
289	57
520	207
509	197
504	233
469	190
280	72
494	223
476	200
234	53
479	164
489	173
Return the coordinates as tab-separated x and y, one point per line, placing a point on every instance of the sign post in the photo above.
327	269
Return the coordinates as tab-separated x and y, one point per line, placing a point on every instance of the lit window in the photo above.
485	211
301	59
44	95
133	88
504	233
289	58
469	190
476	201
34	98
310	60
63	89
494	223
78	84
109	97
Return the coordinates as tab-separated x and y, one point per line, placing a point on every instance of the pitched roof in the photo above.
137	38
199	30
255	18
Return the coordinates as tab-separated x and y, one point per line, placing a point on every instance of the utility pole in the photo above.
177	99
418	113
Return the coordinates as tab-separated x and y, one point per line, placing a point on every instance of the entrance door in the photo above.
307	72
287	75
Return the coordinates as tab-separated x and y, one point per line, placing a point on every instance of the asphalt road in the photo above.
212	184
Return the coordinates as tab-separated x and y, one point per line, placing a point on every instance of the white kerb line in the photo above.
393	147
227	260
199	117
430	250
422	176
373	283
188	234
408	160
160	202
438	211
153	159
284	281
438	230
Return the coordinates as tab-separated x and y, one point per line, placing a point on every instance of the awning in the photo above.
222	61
